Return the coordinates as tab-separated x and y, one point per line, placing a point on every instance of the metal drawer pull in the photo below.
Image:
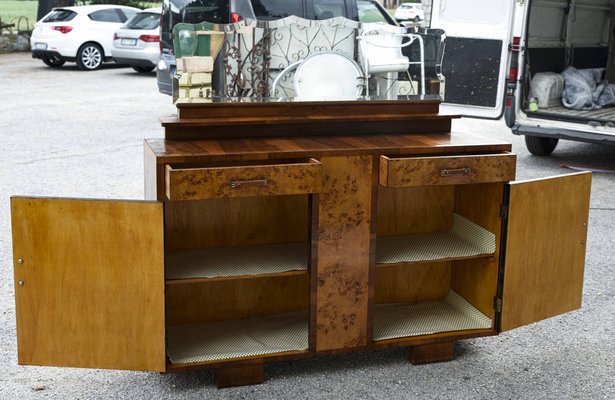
455	172
255	182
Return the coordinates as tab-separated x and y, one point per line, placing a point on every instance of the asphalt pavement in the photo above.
68	133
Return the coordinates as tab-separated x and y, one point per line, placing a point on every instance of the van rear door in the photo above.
475	61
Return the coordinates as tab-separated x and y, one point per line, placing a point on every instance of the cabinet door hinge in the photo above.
497	304
503	211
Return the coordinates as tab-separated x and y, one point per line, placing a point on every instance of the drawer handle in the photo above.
255	182
455	172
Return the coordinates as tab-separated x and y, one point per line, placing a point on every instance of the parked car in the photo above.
137	43
82	34
493	57
409	12
227	11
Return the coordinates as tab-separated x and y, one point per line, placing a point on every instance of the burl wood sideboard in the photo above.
274	231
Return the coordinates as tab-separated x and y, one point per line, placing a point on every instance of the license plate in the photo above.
40	46
128	42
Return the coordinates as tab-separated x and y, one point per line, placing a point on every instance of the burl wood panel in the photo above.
446	170
243	181
545	248
477	280
93	283
241	221
406	211
236	298
412	284
343	252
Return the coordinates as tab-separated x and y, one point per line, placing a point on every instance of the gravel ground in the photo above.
74	134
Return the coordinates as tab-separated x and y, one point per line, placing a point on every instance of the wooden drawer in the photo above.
243	180
446	170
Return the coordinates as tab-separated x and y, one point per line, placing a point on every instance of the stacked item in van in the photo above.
584	89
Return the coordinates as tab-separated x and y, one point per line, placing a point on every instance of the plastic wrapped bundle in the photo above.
584	89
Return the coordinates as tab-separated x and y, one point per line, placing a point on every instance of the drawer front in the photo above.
243	181
447	170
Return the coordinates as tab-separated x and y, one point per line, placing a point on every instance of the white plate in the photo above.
40	46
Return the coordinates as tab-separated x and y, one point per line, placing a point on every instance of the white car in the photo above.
409	12
78	34
137	43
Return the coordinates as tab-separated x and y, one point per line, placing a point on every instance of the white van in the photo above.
496	48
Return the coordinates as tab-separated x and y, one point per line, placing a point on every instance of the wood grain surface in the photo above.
446	170
237	298
545	248
92	274
241	221
343	252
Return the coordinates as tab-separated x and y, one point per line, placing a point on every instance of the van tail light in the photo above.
235	17
513	73
150	38
62	29
515	45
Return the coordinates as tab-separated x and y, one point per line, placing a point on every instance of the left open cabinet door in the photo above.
89	283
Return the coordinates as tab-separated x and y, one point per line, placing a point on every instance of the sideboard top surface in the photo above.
166	150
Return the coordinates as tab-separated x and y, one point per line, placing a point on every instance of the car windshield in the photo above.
60	15
144	21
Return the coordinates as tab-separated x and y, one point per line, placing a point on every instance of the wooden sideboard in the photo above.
284	243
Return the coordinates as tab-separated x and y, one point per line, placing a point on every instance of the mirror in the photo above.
295	59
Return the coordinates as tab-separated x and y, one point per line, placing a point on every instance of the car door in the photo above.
477	51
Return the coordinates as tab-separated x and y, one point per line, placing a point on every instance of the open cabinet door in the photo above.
89	283
545	248
475	63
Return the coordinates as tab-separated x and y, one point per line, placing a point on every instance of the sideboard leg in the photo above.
239	376
431	353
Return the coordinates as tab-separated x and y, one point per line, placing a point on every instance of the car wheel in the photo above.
53	61
89	57
143	69
540	146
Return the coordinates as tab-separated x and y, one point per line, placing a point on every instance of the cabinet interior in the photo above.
237	277
437	277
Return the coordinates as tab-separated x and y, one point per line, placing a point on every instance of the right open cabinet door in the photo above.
545	248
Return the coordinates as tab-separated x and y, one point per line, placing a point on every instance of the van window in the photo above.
276	9
324	9
368	12
197	11
491	12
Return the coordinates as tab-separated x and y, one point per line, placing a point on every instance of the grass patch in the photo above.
11	10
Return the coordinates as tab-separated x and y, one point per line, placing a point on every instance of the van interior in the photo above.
563	34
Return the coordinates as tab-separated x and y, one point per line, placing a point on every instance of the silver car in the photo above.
137	43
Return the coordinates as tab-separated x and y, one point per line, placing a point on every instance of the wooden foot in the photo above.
431	353
239	376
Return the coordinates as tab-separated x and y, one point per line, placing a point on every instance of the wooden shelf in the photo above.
224	340
220	262
453	313
464	240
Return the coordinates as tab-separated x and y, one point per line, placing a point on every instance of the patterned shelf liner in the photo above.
453	313
465	239
237	261
238	338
